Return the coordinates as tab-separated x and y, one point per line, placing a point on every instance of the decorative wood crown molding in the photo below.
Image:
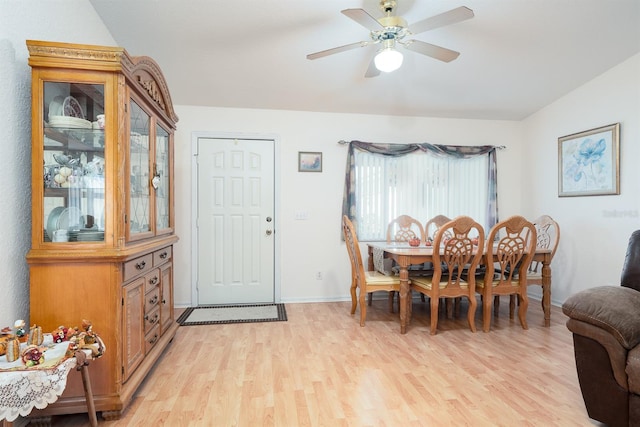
70	53
75	52
147	73
141	70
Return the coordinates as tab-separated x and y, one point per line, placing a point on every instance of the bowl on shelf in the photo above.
69	122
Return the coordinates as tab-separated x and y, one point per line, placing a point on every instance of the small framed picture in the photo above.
589	161
309	161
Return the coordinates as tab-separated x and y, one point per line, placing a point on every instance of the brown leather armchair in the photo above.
605	322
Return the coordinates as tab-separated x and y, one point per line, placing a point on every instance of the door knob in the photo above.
269	232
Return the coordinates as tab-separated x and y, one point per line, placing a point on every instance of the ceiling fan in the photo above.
390	31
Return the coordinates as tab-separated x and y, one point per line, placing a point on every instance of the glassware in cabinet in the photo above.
73	161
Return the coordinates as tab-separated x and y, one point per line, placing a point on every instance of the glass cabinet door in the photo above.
161	181
139	193
73	154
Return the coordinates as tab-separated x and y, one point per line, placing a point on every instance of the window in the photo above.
421	183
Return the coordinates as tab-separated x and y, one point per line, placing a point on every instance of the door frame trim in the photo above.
195	136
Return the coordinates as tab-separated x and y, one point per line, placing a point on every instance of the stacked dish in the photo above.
52	221
90	236
69	122
60	218
67	113
73	235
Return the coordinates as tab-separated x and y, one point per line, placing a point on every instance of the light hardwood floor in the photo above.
320	368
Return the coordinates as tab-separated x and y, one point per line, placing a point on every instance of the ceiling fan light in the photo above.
388	60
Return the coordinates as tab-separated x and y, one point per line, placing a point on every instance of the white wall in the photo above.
594	230
73	21
315	245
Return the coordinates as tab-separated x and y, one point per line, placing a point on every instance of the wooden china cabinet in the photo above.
102	212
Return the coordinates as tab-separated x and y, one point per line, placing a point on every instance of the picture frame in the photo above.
309	161
589	162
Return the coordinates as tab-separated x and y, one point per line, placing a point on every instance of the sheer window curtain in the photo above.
422	180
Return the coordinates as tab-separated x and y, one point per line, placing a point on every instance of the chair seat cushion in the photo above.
377	278
616	309
496	281
427	283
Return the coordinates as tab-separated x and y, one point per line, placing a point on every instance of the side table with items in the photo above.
36	375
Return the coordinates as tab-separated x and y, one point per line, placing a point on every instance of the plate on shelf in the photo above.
90	236
69	122
52	221
71	108
69	216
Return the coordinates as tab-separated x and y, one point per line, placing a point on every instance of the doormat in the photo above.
221	314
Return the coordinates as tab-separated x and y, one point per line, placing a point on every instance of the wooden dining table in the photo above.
405	255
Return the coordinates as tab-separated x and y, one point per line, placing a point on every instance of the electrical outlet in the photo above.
319	275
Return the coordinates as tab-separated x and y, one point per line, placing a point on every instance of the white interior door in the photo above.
236	221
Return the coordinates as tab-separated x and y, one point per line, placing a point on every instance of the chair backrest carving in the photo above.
548	237
515	244
404	228
433	225
461	253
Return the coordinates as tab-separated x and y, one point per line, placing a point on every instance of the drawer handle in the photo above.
152	320
153	300
163	255
153	281
141	265
154	339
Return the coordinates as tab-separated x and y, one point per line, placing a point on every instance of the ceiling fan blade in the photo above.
339	49
446	18
372	71
437	52
363	18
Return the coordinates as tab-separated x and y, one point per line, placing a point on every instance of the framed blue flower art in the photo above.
589	162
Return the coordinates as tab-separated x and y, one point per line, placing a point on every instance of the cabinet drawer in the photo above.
152	300
151	338
151	319
137	266
161	256
151	280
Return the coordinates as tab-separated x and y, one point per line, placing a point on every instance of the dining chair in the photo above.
548	237
509	248
431	227
404	228
364	282
458	259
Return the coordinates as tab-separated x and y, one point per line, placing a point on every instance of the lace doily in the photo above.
21	391
22	388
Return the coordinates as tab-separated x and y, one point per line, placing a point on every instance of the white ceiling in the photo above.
516	56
